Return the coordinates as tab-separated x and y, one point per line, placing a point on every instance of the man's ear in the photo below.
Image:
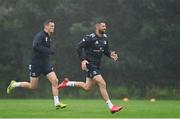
97	26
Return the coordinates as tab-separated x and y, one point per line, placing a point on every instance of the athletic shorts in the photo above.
92	71
36	71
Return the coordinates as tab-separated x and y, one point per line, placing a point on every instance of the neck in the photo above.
98	34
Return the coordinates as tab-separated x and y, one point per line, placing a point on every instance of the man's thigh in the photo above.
90	82
99	79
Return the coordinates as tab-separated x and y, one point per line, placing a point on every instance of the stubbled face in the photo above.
50	27
101	28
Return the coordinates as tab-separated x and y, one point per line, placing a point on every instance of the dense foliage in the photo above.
144	33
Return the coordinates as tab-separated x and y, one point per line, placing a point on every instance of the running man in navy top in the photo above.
90	50
40	63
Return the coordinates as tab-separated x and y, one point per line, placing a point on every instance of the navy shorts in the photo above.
93	70
36	71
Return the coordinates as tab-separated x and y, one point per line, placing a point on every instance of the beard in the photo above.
102	31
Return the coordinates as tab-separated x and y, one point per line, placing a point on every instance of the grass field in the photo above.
83	108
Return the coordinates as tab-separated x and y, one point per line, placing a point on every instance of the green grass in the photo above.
81	108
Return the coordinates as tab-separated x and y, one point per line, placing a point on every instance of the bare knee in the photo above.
101	83
87	87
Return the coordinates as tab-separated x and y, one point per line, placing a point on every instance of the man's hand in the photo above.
83	65
114	56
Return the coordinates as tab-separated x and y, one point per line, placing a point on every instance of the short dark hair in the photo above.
99	22
48	21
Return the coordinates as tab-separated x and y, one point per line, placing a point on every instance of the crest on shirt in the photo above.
96	42
105	42
83	40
